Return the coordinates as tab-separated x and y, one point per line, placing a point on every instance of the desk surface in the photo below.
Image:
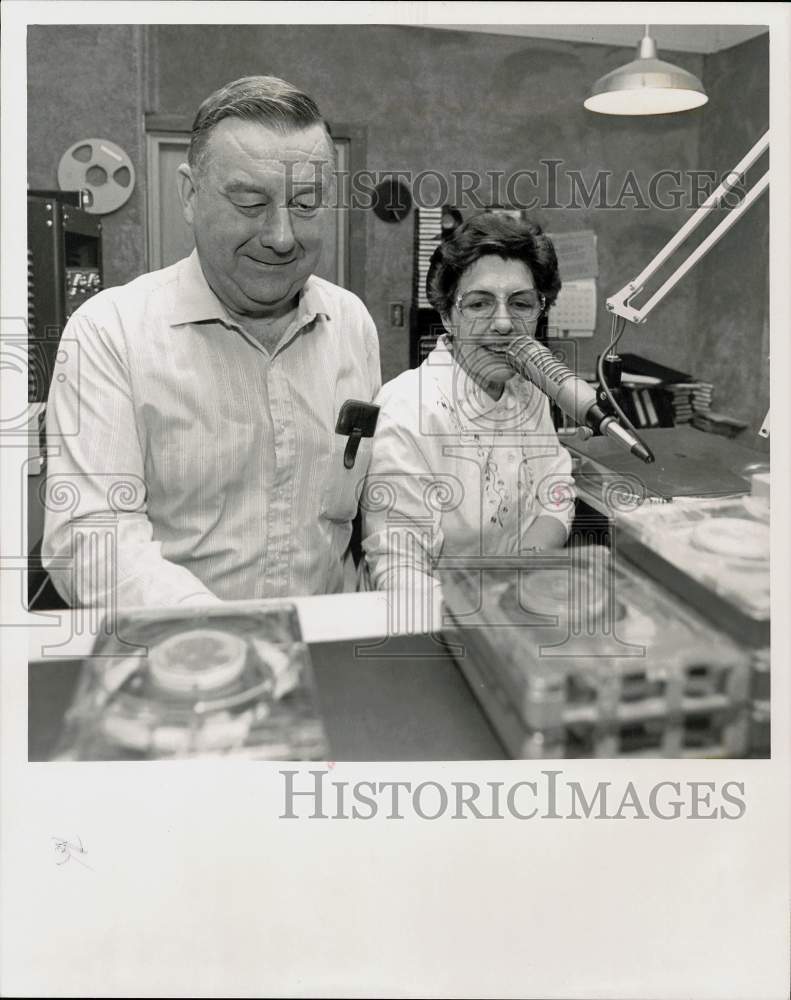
689	463
383	695
402	698
326	618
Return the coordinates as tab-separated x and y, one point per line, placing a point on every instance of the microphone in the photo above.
573	395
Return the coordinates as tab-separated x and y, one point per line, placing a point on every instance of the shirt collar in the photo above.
197	303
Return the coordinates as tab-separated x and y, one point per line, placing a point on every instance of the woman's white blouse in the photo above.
454	473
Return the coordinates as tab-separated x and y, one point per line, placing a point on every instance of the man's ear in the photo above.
187	190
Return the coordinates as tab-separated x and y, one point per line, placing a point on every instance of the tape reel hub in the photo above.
197	661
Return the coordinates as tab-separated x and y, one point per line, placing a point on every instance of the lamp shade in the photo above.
646	86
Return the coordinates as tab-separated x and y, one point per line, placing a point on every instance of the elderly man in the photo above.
204	462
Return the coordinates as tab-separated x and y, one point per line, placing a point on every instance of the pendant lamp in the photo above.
647	86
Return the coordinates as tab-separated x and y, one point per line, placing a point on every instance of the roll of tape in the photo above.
102	170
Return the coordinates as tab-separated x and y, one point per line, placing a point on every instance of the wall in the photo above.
447	101
86	82
732	335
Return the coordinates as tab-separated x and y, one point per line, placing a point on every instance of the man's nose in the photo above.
277	232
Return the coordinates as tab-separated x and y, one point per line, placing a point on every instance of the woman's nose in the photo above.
501	320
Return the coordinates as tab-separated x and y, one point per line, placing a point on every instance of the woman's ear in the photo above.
449	327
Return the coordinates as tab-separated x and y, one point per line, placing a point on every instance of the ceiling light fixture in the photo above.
647	86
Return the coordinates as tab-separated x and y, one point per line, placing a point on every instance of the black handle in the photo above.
352	445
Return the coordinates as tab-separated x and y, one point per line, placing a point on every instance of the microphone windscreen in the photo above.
538	365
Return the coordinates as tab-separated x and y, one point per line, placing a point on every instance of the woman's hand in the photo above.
544	533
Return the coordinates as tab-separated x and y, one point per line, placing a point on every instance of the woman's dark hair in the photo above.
267	100
490	234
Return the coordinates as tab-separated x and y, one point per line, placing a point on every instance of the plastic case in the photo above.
712	553
582	656
218	681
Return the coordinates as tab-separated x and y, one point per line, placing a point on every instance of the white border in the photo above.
198	889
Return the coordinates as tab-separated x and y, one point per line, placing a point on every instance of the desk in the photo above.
689	463
403	699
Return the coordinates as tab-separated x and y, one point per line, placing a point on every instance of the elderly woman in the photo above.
466	461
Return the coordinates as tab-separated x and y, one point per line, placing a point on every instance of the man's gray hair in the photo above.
264	99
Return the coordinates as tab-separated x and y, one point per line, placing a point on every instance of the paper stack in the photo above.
681	401
701	396
718	423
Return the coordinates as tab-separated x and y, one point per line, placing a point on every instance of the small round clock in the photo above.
392	200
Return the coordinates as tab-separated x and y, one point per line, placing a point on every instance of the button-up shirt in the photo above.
457	473
187	463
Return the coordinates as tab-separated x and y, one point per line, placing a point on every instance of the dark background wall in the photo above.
87	82
732	334
450	101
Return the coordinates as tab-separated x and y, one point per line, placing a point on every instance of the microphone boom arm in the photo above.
620	302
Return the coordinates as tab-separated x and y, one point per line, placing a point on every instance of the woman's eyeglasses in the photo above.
522	306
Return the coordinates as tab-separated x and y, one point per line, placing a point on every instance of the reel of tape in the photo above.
200	660
216	680
580	597
197	690
736	537
100	169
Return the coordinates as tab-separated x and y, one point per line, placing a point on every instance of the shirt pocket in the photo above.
340	496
